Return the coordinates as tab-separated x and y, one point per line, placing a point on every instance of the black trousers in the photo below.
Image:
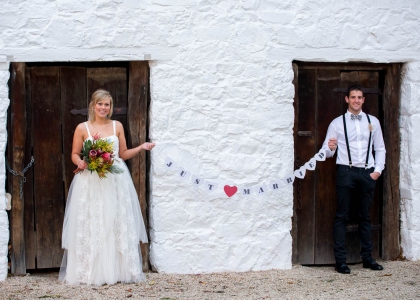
351	181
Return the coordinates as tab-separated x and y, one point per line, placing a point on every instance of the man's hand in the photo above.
375	175
332	144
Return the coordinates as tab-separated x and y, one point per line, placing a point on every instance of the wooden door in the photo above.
42	125
319	99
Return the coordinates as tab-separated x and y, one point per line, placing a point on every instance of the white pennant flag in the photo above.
183	173
196	181
260	189
210	186
275	186
245	190
169	163
321	155
289	179
311	164
300	173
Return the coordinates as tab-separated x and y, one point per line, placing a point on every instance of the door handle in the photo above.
305	133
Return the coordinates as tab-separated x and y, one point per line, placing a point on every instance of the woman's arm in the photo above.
125	153
76	149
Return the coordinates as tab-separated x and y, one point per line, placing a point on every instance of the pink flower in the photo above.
106	156
92	153
97	136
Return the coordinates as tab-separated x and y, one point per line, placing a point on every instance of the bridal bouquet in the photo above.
98	154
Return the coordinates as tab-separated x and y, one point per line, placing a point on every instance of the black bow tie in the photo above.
354	117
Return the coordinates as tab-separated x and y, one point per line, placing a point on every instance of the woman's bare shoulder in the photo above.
119	128
118	123
81	130
80	133
81	127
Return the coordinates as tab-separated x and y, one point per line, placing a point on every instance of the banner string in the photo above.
210	186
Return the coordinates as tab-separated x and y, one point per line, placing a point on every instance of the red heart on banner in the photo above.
230	190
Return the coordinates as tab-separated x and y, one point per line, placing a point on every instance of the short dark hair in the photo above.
354	88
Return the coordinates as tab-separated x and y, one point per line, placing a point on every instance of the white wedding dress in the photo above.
102	228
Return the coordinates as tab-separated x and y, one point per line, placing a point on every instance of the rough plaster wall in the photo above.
4	222
237	129
215	91
410	161
221	102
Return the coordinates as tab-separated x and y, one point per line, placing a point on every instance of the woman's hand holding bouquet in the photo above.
98	156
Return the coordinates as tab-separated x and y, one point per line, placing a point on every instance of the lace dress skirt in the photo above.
102	229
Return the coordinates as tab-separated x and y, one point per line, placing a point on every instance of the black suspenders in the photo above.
347	141
370	138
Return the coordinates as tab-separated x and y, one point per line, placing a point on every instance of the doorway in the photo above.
319	98
48	101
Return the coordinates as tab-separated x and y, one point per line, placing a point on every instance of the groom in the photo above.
355	134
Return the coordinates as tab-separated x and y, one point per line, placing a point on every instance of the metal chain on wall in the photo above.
22	180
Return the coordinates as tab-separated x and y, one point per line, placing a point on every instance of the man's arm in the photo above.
330	143
379	147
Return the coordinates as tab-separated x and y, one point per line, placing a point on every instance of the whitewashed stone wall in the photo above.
234	125
4	222
410	161
222	94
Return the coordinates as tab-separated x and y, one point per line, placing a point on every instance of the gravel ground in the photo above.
399	280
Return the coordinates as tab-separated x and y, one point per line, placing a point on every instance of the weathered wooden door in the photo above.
319	99
41	126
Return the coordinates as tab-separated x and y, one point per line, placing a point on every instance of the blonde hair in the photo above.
99	95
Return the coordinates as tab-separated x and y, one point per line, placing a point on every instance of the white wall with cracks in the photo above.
222	103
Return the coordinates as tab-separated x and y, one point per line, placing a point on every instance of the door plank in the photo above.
343	66
370	79
137	123
295	254
329	104
114	80
352	238
49	195
305	149
391	176
30	233
73	95
17	153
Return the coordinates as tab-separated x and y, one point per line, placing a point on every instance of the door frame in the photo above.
19	128
390	247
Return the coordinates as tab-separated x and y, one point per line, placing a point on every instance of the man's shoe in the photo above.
372	264
342	268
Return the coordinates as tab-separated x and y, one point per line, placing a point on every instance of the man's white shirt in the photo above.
358	135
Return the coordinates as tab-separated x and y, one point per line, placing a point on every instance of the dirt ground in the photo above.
399	280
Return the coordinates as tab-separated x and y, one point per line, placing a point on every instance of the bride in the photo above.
103	224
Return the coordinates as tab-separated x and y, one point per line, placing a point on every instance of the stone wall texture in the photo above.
4	222
222	104
410	161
